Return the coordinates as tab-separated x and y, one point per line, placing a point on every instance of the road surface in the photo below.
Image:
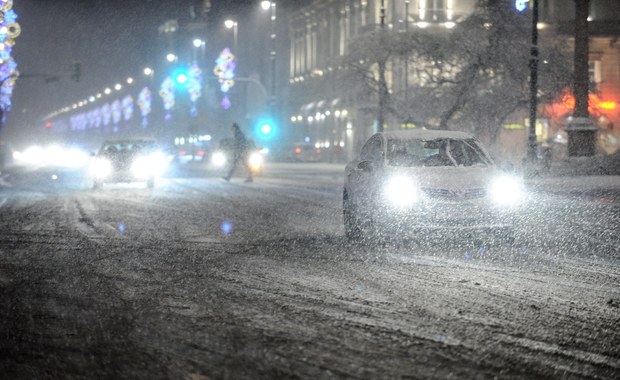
202	279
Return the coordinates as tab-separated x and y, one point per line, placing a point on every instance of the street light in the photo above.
232	24
531	136
198	43
171	57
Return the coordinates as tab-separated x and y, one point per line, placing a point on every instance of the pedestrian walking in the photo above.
240	152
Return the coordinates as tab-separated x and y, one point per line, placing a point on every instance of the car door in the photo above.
362	177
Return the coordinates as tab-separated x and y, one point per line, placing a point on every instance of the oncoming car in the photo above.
128	160
222	157
405	183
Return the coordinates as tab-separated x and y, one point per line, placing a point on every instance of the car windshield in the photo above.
309	189
436	152
126	147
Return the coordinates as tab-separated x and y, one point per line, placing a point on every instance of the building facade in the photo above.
321	112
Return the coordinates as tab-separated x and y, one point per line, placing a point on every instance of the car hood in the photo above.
451	178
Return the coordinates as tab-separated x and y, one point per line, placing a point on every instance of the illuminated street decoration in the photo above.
106	113
97	117
144	102
194	86
225	71
9	30
78	122
225	102
90	116
116	113
127	107
167	94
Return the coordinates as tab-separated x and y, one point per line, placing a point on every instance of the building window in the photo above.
386	6
594	73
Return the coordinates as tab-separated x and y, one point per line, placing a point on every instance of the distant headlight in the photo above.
101	168
218	159
152	165
506	190
402	191
256	161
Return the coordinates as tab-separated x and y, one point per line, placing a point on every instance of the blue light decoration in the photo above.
106	113
116	114
144	102
194	86
521	5
225	71
127	104
97	117
9	31
167	94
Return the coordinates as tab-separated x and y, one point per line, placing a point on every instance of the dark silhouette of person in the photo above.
240	152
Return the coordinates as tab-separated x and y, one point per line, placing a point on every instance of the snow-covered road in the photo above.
200	279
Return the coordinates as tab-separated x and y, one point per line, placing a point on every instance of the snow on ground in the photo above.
199	278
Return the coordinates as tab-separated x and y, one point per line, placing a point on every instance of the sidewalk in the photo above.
597	176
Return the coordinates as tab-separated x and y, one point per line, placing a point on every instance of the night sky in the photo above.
110	38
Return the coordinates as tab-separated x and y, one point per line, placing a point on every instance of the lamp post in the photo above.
408	121
232	24
531	137
270	5
198	44
581	131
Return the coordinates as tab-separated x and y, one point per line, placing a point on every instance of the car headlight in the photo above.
101	168
145	167
255	161
218	159
401	191
506	190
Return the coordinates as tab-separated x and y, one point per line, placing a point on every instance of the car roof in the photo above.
425	134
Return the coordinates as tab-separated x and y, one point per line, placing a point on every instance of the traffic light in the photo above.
521	5
77	71
266	128
180	76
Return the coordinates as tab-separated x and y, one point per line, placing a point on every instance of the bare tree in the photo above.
469	78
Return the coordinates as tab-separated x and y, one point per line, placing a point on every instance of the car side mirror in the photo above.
366	166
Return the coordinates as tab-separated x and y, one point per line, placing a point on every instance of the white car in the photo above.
406	183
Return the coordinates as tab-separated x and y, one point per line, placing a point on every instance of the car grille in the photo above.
455	195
